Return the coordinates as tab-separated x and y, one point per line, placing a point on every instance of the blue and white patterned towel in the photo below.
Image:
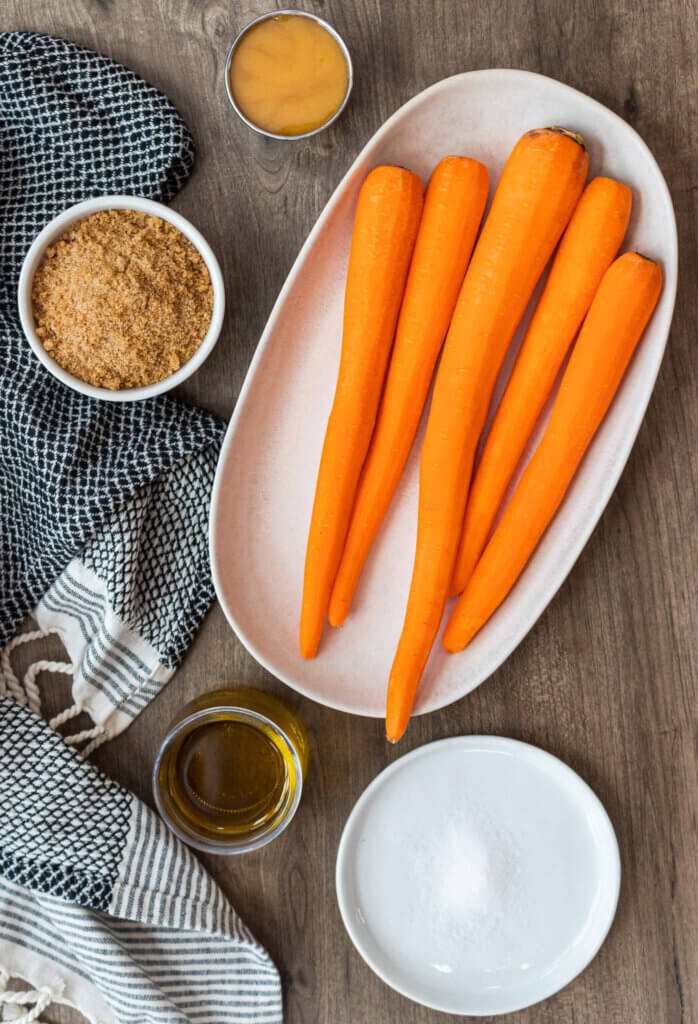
102	908
103	538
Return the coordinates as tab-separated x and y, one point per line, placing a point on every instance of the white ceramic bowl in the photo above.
54	229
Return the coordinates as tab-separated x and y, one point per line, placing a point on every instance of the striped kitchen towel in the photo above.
103	538
102	908
103	505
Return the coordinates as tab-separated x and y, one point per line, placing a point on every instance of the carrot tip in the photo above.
336	616
308	649
455	640
395	724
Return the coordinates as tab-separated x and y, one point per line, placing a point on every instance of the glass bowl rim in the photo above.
236	846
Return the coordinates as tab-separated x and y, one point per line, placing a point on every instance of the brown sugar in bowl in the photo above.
118	376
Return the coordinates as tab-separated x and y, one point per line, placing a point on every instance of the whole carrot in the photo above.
540	185
453	208
618	315
385	228
591	241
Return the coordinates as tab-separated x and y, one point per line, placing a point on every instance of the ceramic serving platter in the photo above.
265	482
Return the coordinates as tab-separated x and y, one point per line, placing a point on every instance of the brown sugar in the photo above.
122	299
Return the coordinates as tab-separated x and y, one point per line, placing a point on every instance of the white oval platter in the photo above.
265	482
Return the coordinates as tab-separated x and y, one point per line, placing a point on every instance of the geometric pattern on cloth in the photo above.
151	533
74	124
75	848
64	824
149	928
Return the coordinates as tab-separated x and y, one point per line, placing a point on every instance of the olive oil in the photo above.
231	769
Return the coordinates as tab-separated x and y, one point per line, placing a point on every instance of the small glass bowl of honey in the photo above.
229	775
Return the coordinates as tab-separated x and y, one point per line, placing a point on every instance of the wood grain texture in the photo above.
606	679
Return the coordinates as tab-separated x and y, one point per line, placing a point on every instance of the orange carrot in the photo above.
618	315
385	228
540	185
589	244
453	208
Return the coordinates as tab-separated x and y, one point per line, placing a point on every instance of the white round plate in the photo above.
478	875
263	493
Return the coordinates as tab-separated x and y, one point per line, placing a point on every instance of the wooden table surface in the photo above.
605	679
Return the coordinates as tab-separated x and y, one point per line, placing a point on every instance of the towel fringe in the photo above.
64	716
97	732
32	690
27	691
14	1001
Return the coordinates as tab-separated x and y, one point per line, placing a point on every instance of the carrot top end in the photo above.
642	256
575	136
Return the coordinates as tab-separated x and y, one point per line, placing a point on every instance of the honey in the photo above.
288	74
230	772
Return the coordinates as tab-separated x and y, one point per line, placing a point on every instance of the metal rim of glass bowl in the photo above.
345	52
227	846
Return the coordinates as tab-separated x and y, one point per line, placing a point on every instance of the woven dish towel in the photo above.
103	537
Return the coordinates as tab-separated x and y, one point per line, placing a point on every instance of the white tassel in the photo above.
25	1006
65	716
27	693
33	694
86	734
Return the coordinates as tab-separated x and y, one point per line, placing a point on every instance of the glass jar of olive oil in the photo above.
229	775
